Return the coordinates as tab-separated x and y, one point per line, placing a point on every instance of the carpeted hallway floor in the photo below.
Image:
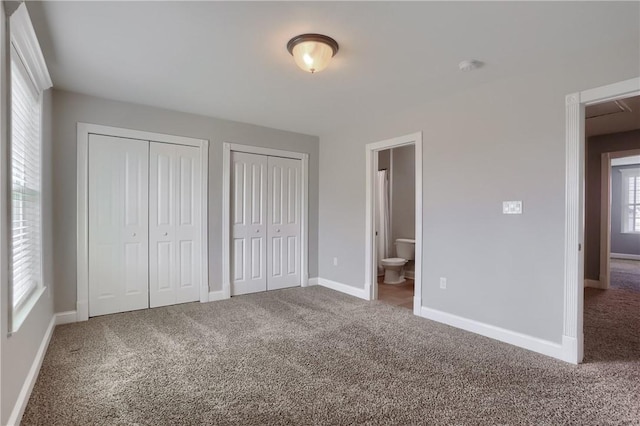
625	274
315	356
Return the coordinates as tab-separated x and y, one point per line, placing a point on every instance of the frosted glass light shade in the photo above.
312	52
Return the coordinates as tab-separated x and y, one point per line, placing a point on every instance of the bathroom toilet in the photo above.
394	266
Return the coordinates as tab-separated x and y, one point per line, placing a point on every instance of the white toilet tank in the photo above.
406	248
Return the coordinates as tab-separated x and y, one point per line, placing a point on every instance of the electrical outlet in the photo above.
335	261
512	207
443	283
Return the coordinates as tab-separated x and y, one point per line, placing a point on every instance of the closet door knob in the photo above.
134	234
165	234
257	231
277	230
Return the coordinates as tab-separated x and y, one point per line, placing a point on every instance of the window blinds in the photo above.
25	182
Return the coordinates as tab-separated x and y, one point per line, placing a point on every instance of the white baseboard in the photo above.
625	256
313	281
217	295
362	293
66	317
32	376
531	343
594	284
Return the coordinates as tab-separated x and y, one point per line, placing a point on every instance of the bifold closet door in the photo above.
248	223
118	224
175	224
284	229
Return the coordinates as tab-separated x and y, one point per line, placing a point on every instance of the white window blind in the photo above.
25	183
631	200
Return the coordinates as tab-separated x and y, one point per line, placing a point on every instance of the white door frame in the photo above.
227	147
572	335
82	243
605	217
371	273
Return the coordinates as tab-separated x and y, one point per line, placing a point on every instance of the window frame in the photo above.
25	50
627	174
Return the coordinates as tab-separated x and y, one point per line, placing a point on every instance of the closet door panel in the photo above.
175	224
284	228
162	225
118	224
189	224
248	227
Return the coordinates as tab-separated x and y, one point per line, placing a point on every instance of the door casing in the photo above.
227	148
371	276
572	348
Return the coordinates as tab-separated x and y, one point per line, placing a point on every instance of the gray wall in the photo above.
596	146
503	140
71	108
18	351
623	243
404	193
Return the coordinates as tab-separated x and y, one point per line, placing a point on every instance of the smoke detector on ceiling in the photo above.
469	65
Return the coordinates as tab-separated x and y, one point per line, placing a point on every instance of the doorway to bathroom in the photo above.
394	221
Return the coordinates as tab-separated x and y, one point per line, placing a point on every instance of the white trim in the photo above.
605	220
82	243
570	351
23	38
314	281
574	208
626	159
214	296
304	221
226	220
32	376
525	341
204	214
361	293
249	149
371	282
18	316
67	317
625	256
227	148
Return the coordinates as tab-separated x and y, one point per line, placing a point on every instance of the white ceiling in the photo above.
229	60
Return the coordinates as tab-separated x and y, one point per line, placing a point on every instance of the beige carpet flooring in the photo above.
315	356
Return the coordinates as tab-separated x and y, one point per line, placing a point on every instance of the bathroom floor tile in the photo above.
396	294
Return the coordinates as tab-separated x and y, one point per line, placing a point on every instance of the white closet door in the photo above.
285	206
248	223
118	224
175	229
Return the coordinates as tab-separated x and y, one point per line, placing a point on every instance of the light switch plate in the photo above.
512	207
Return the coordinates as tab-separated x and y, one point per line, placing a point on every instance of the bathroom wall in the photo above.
403	182
621	243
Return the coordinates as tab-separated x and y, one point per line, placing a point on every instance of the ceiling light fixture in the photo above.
312	52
